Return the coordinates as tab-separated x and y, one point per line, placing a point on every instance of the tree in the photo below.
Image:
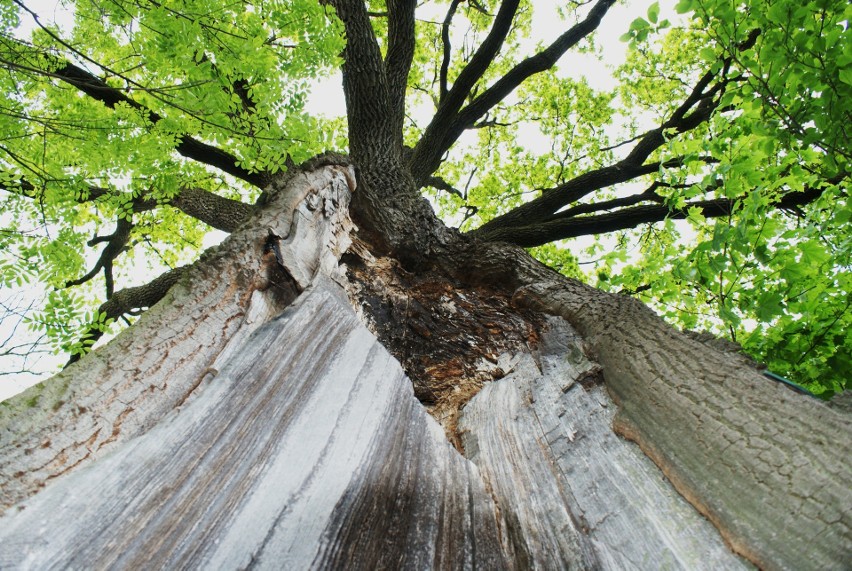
284	349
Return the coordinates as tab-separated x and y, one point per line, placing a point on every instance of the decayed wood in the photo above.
124	388
573	493
307	450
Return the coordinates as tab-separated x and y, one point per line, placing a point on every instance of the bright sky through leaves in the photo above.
743	135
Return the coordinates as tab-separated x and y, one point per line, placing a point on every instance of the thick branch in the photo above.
387	203
449	123
132	299
221	213
399	57
480	61
188	147
217	211
560	227
553	199
373	137
696	109
649	195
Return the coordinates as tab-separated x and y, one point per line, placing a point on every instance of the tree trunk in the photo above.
273	410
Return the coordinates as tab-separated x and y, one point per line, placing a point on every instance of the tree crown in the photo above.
713	170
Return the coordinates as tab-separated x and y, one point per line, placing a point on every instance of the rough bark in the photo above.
299	443
765	464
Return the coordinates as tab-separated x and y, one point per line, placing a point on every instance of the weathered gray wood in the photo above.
124	388
307	450
572	492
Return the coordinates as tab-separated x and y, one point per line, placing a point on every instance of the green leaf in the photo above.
654	12
684	6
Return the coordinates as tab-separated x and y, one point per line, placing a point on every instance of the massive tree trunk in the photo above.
311	394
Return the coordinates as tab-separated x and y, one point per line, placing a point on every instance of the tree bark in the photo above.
259	415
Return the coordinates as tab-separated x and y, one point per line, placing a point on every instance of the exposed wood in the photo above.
574	494
450	338
768	466
224	439
121	390
307	450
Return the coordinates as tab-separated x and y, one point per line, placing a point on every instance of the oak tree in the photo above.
713	173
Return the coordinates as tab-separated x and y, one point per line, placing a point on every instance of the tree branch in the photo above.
130	300
115	245
551	200
449	123
649	195
373	137
187	146
221	213
482	58
399	57
561	227
445	62
696	109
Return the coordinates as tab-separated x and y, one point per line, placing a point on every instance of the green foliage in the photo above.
775	281
233	76
236	76
781	283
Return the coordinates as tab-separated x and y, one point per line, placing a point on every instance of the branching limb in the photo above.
221	213
115	245
561	227
129	300
695	110
649	195
451	121
99	90
481	60
365	85
187	146
445	62
399	57
551	200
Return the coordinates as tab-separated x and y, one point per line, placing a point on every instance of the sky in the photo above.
327	99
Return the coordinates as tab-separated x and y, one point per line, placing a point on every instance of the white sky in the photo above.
327	99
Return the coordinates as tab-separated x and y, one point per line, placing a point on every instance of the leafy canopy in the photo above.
711	172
